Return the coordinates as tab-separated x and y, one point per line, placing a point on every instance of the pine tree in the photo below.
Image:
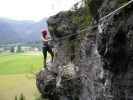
22	97
15	98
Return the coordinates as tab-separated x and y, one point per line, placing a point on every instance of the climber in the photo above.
46	46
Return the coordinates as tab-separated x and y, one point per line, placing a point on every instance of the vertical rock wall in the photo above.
91	65
114	46
77	66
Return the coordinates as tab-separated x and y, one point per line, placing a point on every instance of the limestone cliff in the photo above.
76	65
90	64
115	48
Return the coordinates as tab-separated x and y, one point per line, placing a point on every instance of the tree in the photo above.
22	97
12	49
19	48
82	15
15	98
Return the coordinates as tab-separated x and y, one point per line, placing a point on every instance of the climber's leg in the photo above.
44	55
51	52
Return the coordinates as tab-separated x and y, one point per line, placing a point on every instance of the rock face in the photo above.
116	50
76	64
94	64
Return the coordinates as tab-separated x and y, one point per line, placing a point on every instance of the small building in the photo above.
25	48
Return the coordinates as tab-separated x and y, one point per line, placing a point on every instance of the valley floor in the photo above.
17	75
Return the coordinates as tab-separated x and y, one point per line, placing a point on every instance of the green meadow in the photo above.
20	63
17	74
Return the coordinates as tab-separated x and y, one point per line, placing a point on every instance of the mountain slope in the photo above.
20	31
7	33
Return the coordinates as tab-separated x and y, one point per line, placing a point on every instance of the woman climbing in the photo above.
46	46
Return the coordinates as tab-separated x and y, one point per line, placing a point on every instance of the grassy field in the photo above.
20	63
16	74
14	85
